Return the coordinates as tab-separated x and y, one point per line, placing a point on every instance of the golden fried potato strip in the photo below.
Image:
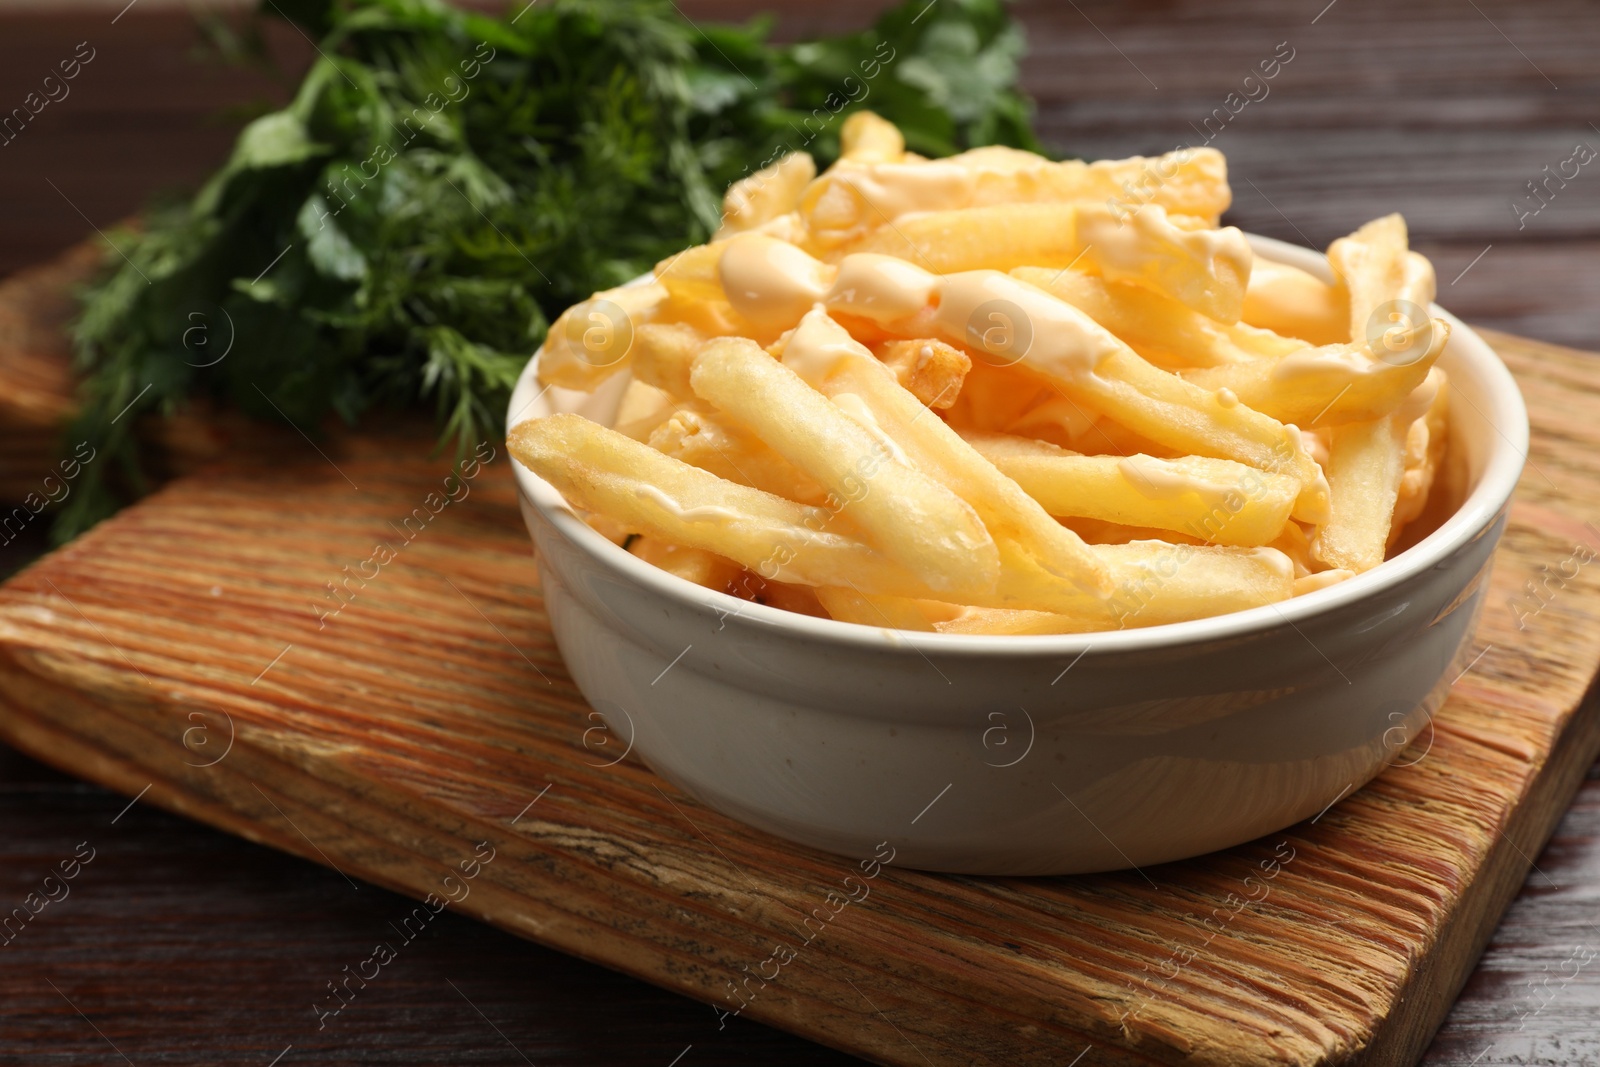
1212	500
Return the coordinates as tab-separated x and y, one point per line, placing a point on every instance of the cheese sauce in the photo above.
1159	479
771	282
855	407
881	288
1330	360
705	513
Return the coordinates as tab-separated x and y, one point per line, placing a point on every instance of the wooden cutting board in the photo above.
176	654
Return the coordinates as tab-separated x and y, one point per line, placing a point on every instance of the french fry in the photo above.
860	196
591	340
787	596
597	469
1071	424
867	138
1213	500
1289	301
1295	542
1157	583
994	398
769	193
931	370
789	227
1191	182
1168	410
714	443
978	238
694	294
1159	328
691	564
1331	384
663	354
1366	461
692	274
712	318
839	367
904	513
1424	453
1207	270
1204	270
1310	583
1376	268
996	160
643	408
1099	532
893	612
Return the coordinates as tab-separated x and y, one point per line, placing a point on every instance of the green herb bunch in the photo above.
443	184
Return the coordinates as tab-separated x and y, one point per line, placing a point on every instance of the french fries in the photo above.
1365	464
1388	286
1212	500
591	341
931	370
643	409
712	442
599	470
1157	583
994	394
1331	384
908	516
866	138
1159	328
891	612
663	354
872	189
1377	269
1291	302
1207	270
768	194
1424	453
695	565
839	367
1003	319
1204	270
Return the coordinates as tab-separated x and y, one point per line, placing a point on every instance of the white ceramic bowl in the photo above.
1032	755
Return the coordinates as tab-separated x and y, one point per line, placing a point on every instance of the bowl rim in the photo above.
1502	470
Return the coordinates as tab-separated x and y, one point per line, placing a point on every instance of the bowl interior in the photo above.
1488	447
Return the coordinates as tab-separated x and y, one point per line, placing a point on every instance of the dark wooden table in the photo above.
181	945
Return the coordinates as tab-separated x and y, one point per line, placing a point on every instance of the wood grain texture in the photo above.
183	945
1425	107
429	713
1533	996
188	946
36	379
